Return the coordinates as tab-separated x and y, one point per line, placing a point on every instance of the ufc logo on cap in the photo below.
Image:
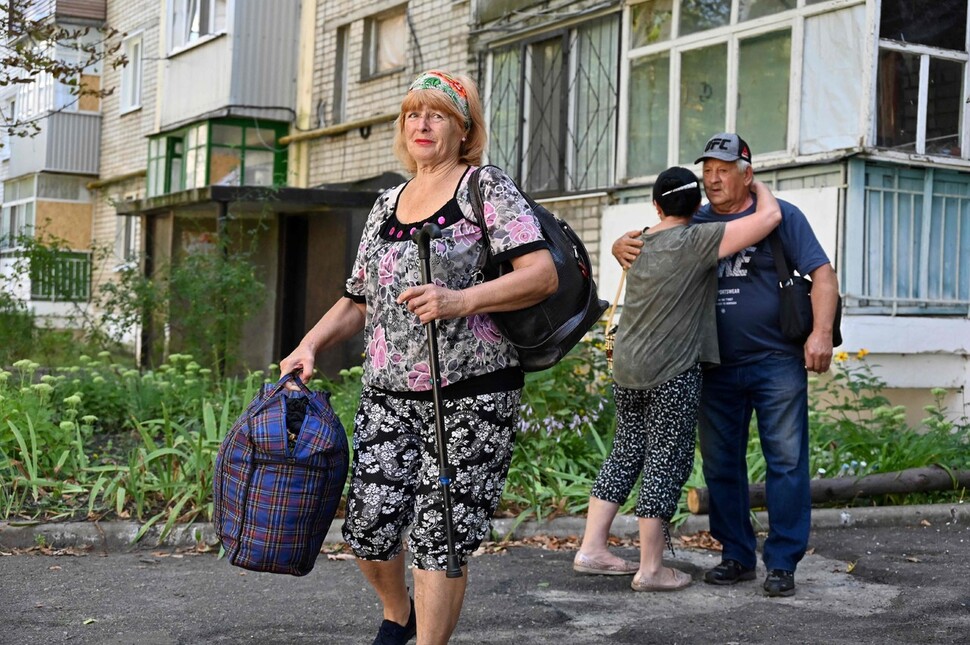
719	143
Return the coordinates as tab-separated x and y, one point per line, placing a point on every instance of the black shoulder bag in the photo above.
545	332
795	313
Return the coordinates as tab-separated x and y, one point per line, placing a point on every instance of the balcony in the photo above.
69	142
54	287
67	10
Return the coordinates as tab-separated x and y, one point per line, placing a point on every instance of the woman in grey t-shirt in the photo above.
667	334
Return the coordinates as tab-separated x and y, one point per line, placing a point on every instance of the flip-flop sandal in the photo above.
589	566
681	580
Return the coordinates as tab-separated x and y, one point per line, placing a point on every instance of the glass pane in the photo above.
703	88
764	64
201	134
751	9
259	168
257	137
943	107
200	168
649	115
698	15
594	93
544	120
650	22
504	110
224	167
227	135
391	43
191	163
897	99
940	23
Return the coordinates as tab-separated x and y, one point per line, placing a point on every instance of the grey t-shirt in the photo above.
668	323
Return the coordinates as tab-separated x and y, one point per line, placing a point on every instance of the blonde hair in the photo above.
472	148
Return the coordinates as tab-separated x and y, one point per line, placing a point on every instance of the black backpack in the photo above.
545	332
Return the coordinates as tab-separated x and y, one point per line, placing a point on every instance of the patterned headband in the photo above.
435	80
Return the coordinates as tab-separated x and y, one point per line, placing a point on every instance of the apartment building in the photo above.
44	175
282	113
855	111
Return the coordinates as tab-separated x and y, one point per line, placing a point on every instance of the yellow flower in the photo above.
862	353
841	357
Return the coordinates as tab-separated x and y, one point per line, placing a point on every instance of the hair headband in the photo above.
688	186
436	80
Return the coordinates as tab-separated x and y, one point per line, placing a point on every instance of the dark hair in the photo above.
677	192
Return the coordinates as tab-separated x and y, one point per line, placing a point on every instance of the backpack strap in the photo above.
478	209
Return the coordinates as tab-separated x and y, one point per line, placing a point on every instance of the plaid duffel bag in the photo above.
278	479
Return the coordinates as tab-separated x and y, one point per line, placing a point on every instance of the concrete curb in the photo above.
119	536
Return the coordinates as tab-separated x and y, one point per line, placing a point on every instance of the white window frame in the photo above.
792	20
926	53
131	74
9	107
18	208
128	242
180	22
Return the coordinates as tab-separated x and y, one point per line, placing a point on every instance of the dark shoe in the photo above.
728	573
392	633
780	583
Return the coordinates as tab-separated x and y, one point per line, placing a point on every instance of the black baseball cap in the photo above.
726	146
677	191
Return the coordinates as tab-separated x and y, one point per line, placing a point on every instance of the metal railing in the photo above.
65	277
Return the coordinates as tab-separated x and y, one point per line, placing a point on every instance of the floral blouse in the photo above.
396	348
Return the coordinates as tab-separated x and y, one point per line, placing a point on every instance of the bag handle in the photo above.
273	393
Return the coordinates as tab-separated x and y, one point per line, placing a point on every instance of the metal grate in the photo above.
552	106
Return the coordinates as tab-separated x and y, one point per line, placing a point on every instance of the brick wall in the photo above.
439	39
124	146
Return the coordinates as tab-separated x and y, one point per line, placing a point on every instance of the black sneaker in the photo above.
780	583
728	573
391	633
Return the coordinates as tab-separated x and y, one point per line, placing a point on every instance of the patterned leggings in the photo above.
394	474
655	435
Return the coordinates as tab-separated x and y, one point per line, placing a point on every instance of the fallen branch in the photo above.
913	480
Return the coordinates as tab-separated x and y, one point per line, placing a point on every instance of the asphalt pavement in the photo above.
879	576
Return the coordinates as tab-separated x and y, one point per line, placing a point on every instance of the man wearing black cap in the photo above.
760	371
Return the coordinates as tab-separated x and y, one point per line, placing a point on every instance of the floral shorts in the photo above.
394	475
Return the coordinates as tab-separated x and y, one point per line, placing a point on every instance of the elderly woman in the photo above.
668	333
394	481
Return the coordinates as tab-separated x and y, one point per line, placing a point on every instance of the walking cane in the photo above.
446	473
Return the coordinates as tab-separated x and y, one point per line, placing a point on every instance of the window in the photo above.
339	111
174	160
128	240
62	188
245	153
385	43
910	241
8	115
17	214
227	152
685	86
922	65
131	74
552	107
192	20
